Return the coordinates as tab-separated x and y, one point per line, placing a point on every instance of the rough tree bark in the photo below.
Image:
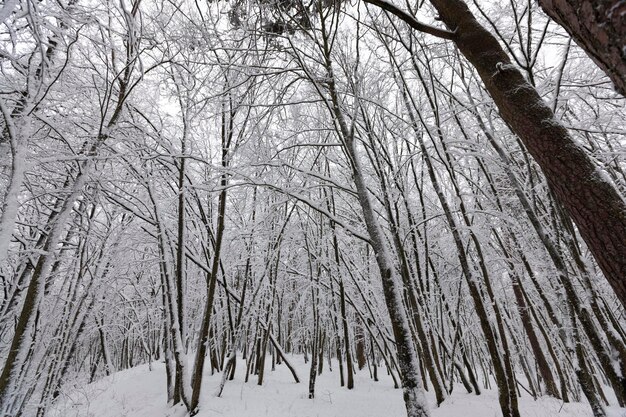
598	27
589	197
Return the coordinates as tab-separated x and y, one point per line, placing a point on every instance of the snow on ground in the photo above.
139	392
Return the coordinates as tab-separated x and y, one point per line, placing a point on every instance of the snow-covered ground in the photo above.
139	392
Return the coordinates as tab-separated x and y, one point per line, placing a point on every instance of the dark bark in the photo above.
346	337
180	250
359	338
320	360
196	380
314	347
593	203
335	244
598	27
180	265
26	318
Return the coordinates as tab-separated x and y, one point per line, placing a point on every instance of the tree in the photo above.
592	201
318	181
598	27
21	342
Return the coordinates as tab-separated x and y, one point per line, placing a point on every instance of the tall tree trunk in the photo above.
180	260
203	339
594	204
413	390
346	336
502	370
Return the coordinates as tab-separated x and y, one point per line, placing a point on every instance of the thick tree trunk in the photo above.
593	203
599	27
591	200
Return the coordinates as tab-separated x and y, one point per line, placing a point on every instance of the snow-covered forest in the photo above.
312	206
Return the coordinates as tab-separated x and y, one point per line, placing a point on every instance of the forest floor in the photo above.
140	392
